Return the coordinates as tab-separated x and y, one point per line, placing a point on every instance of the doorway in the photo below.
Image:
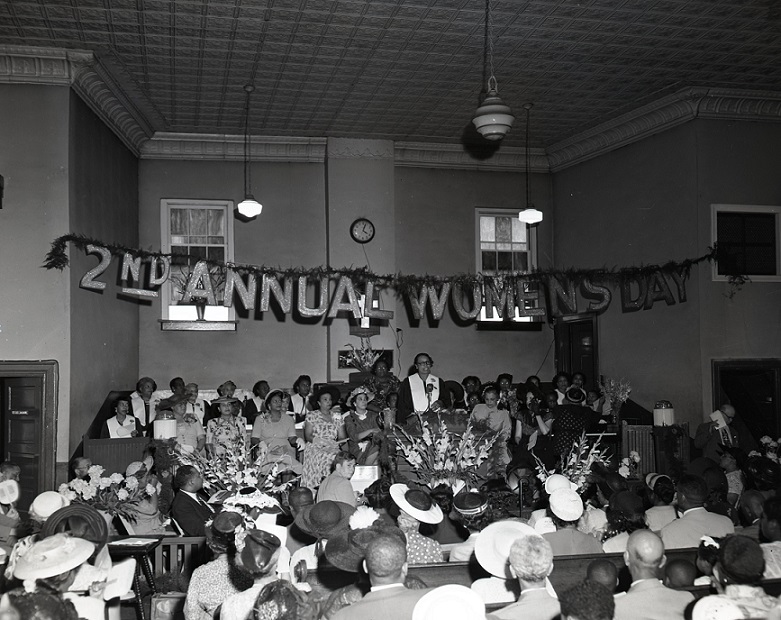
28	408
576	346
753	387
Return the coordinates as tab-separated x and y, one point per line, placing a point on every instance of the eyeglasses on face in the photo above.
424	363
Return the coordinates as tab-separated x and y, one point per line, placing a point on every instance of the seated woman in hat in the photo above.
215	581
148	521
258	553
190	434
362	429
416	507
625	514
50	565
222	432
323	431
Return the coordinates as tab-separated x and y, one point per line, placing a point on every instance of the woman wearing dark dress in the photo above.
362	428
570	420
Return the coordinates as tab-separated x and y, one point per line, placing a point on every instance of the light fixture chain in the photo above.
247	146
490	34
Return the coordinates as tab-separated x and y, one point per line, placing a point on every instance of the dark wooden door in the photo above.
576	346
23	436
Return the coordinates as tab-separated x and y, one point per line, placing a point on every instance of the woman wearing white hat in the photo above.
416	507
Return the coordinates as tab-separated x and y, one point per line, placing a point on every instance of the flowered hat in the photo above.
360	390
492	548
53	556
324	519
46	504
416	503
225	399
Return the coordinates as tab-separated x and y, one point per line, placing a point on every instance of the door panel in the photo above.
577	346
23	433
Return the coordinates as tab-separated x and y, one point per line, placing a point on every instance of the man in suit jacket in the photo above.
189	510
696	521
648	598
386	562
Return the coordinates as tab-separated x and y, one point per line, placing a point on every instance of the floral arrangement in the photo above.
364	357
241	466
441	456
768	448
629	466
114	494
615	392
578	463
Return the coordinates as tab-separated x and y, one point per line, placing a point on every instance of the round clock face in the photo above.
362	230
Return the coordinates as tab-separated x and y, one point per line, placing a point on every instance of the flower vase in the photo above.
109	518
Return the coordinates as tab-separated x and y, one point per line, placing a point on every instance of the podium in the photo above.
114	455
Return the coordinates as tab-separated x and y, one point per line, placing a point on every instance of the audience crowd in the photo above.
703	542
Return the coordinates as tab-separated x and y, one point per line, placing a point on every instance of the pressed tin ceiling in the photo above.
406	70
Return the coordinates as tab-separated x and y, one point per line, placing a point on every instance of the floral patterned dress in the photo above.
222	433
320	453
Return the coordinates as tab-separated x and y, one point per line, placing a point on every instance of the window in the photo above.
748	235
204	230
504	243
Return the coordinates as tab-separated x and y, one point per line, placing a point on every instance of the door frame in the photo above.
49	372
563	358
719	364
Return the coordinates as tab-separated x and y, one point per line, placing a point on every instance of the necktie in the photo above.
726	437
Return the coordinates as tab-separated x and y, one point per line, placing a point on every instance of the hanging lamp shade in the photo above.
249	207
530	216
493	118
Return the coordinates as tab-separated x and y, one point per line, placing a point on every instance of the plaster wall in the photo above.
104	325
35	305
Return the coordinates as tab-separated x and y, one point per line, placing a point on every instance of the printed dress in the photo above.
222	433
320	453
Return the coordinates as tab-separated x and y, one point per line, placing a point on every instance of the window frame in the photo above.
717	208
166	204
531	231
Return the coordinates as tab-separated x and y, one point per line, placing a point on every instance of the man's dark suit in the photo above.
394	603
190	514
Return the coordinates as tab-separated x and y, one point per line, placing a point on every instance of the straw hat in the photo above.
272	394
492	548
652	478
53	556
46	504
416	503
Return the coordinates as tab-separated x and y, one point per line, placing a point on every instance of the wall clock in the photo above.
362	230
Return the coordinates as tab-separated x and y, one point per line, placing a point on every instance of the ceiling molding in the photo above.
664	114
88	78
457	157
190	146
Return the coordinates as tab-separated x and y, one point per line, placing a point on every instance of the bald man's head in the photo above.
644	554
728	411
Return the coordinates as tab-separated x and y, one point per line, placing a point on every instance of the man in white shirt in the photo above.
695	521
648	598
531	561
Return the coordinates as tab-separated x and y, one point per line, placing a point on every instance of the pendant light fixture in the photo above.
493	118
249	208
529	215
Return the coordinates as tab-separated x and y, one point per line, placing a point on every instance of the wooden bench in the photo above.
180	554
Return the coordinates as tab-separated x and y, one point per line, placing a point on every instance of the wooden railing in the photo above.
180	554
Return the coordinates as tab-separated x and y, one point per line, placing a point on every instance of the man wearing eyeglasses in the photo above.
711	437
422	391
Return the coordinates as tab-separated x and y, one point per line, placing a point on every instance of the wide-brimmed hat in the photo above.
92	526
272	394
566	505
9	491
450	601
470	503
652	478
225	399
492	548
347	549
46	504
554	482
627	503
324	519
259	549
336	395
53	556
416	503
134	468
